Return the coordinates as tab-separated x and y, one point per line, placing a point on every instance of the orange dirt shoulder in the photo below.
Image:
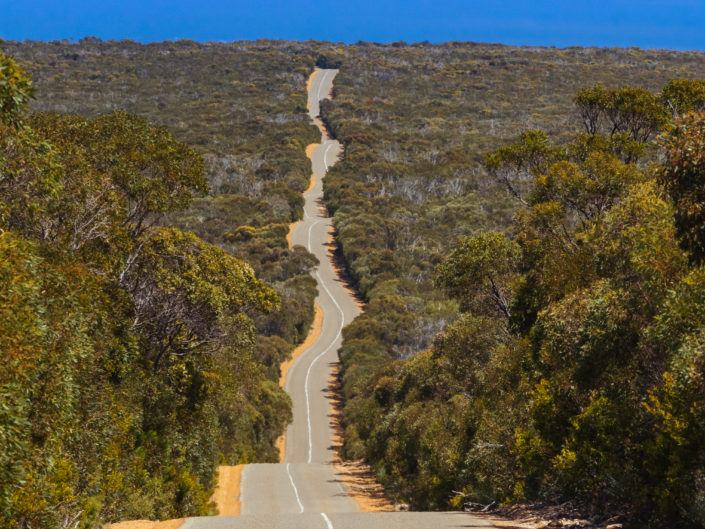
309	83
313	335
227	493
146	524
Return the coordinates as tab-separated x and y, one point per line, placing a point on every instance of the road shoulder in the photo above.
227	493
146	524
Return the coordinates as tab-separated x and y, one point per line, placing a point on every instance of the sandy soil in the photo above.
508	524
313	335
280	443
291	232
357	475
309	152
146	524
227	494
541	515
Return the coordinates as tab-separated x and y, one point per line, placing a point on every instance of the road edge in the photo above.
357	476
146	524
312	183
313	334
227	493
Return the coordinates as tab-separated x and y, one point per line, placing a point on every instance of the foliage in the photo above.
572	370
15	90
683	178
631	110
130	363
479	272
241	106
585	388
681	96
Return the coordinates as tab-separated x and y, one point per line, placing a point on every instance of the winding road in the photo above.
305	491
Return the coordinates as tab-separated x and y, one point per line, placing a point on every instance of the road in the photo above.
306	491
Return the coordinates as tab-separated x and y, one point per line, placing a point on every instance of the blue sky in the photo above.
676	24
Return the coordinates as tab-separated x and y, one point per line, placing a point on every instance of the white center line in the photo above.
340	328
320	85
308	371
309	232
325	155
337	336
296	491
328	523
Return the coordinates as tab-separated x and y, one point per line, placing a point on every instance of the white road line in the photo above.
325	154
296	491
320	85
309	231
328	523
342	315
308	371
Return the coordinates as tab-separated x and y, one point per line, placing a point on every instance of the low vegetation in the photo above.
242	107
572	371
137	356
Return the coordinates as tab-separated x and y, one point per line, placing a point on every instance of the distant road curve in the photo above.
306	492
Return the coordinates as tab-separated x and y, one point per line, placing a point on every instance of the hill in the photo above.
452	402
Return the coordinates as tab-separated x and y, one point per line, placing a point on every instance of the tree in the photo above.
631	110
519	163
191	297
591	103
683	176
586	189
479	273
684	95
15	91
154	172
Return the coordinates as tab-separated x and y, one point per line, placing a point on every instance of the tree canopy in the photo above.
132	365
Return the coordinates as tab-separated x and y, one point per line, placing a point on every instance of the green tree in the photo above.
684	95
480	271
188	294
683	176
15	91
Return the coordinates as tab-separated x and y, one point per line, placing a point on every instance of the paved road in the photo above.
305	491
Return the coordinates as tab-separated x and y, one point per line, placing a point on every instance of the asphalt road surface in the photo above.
306	492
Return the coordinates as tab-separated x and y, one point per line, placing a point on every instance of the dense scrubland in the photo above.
138	356
529	248
242	106
551	231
